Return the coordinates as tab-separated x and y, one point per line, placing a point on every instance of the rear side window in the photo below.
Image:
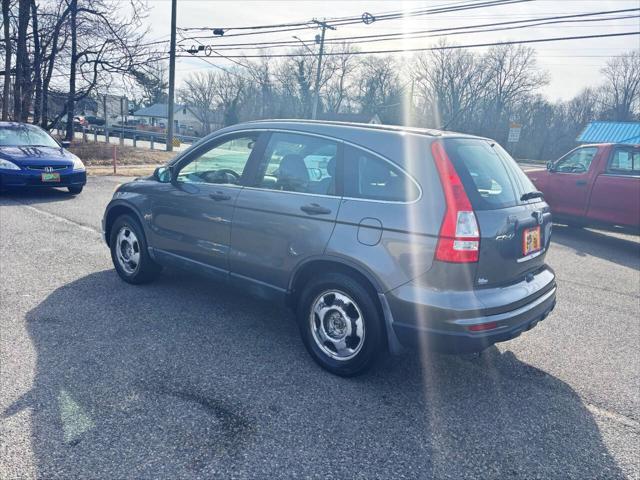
299	163
625	162
482	170
370	177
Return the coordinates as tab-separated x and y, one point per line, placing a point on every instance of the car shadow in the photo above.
36	195
184	378
605	245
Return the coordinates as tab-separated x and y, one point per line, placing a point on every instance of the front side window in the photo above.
299	163
370	177
576	162
625	162
223	164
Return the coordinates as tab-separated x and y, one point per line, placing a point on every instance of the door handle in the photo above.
581	183
218	196
315	209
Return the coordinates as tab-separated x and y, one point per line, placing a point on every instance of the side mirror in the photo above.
162	174
65	143
550	166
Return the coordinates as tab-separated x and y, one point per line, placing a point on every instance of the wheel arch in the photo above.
306	270
116	210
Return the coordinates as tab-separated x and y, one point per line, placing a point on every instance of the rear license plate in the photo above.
531	240
50	177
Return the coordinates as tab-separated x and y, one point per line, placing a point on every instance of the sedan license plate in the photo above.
531	240
50	177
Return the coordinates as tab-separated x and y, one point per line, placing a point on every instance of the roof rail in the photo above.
392	128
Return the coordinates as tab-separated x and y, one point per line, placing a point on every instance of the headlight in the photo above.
77	164
7	165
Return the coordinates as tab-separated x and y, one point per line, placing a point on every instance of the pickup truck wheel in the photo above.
129	252
340	324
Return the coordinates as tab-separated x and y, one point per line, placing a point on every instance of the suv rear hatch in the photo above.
513	222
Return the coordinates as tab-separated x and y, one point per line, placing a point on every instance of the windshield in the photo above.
25	136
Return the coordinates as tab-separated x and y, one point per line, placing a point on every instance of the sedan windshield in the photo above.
25	136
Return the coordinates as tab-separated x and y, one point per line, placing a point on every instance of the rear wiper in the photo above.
530	195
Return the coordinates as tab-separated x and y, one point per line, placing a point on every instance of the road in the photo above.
188	379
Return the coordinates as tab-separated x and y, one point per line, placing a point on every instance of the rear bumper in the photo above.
32	179
441	321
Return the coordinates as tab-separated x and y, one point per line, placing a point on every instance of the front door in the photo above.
191	220
568	187
288	213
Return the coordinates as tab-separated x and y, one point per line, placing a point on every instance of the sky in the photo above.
572	65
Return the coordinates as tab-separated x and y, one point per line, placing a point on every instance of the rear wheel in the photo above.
75	190
340	324
129	252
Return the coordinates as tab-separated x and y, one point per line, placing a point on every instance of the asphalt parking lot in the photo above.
185	378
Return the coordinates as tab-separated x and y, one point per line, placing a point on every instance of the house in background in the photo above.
351	118
186	122
611	132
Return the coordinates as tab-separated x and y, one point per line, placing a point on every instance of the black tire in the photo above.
146	270
373	332
75	190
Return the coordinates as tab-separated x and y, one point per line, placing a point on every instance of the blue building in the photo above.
611	132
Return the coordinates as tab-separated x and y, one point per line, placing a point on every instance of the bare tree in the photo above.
621	92
295	77
103	45
513	74
379	88
199	93
154	81
6	27
229	87
451	85
337	83
21	83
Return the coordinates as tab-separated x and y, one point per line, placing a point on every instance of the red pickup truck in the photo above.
597	185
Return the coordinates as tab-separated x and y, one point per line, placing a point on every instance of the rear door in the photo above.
568	185
514	234
287	213
615	197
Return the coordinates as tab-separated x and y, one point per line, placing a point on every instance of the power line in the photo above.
449	47
355	20
335	19
534	22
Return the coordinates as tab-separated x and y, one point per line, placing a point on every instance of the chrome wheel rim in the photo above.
337	325
128	250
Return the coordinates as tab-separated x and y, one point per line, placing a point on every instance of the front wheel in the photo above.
75	190
129	252
340	324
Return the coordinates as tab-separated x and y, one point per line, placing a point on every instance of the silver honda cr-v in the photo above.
377	236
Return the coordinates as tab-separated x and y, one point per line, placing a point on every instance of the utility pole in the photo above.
172	77
316	97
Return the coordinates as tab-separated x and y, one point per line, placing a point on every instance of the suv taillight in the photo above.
459	239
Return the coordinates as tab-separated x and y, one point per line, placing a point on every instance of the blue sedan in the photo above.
31	158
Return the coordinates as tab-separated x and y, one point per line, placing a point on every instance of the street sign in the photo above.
514	132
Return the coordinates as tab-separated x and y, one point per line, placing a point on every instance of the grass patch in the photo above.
101	154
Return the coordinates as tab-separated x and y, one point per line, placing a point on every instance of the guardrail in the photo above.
133	134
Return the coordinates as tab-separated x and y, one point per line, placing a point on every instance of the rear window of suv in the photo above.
483	170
